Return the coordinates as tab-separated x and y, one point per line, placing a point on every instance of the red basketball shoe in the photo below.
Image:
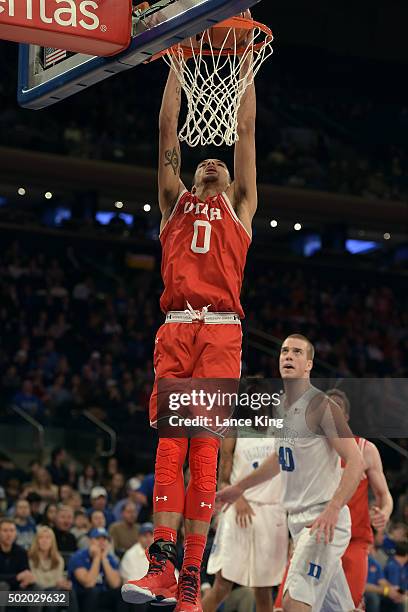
159	586
189	598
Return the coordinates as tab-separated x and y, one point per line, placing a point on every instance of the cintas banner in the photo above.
95	27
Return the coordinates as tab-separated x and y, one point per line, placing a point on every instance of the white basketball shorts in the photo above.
316	575
253	556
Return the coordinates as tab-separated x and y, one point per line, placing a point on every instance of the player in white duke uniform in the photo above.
314	492
251	544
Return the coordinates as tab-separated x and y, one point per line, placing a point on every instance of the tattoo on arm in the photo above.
172	159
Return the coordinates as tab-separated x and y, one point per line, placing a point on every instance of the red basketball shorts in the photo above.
209	349
355	566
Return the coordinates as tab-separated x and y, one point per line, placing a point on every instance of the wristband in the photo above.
386	591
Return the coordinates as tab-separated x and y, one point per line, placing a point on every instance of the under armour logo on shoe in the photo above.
164	498
202	505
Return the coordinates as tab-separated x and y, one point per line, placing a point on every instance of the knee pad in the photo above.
203	464
200	495
168	493
170	457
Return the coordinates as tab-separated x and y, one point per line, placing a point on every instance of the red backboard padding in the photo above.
95	27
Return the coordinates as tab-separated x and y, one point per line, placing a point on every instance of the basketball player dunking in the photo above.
205	236
314	492
355	558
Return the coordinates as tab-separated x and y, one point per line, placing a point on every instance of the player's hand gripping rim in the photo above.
325	524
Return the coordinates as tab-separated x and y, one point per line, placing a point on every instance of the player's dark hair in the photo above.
401	548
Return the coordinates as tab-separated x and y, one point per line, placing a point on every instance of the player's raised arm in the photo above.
244	186
376	480
169	146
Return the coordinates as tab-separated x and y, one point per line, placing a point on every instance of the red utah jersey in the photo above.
204	253
358	506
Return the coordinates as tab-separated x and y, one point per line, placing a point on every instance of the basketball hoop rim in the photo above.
241	23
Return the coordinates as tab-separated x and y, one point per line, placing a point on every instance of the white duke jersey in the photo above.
249	453
310	467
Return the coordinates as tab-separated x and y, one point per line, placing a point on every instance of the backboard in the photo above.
48	75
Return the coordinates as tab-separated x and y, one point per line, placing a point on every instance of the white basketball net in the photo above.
215	83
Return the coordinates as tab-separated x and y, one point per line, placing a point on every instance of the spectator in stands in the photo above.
25	524
116	488
36	504
27	401
134	564
99	501
81	528
64	521
97	518
3	501
75	501
141	494
65	493
145	498
46	564
95	576
58	394
13	492
72	474
14	568
403	508
377	586
132	490
57	468
87	481
397	532
42	485
33	468
97	521
112	467
396	573
124	533
50	514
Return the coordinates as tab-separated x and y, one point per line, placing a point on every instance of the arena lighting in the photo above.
387	236
48	195
21	191
274	223
119	204
147	207
297	227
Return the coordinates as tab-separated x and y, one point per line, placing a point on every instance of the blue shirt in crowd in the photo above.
82	558
375	571
146	487
108	514
396	573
